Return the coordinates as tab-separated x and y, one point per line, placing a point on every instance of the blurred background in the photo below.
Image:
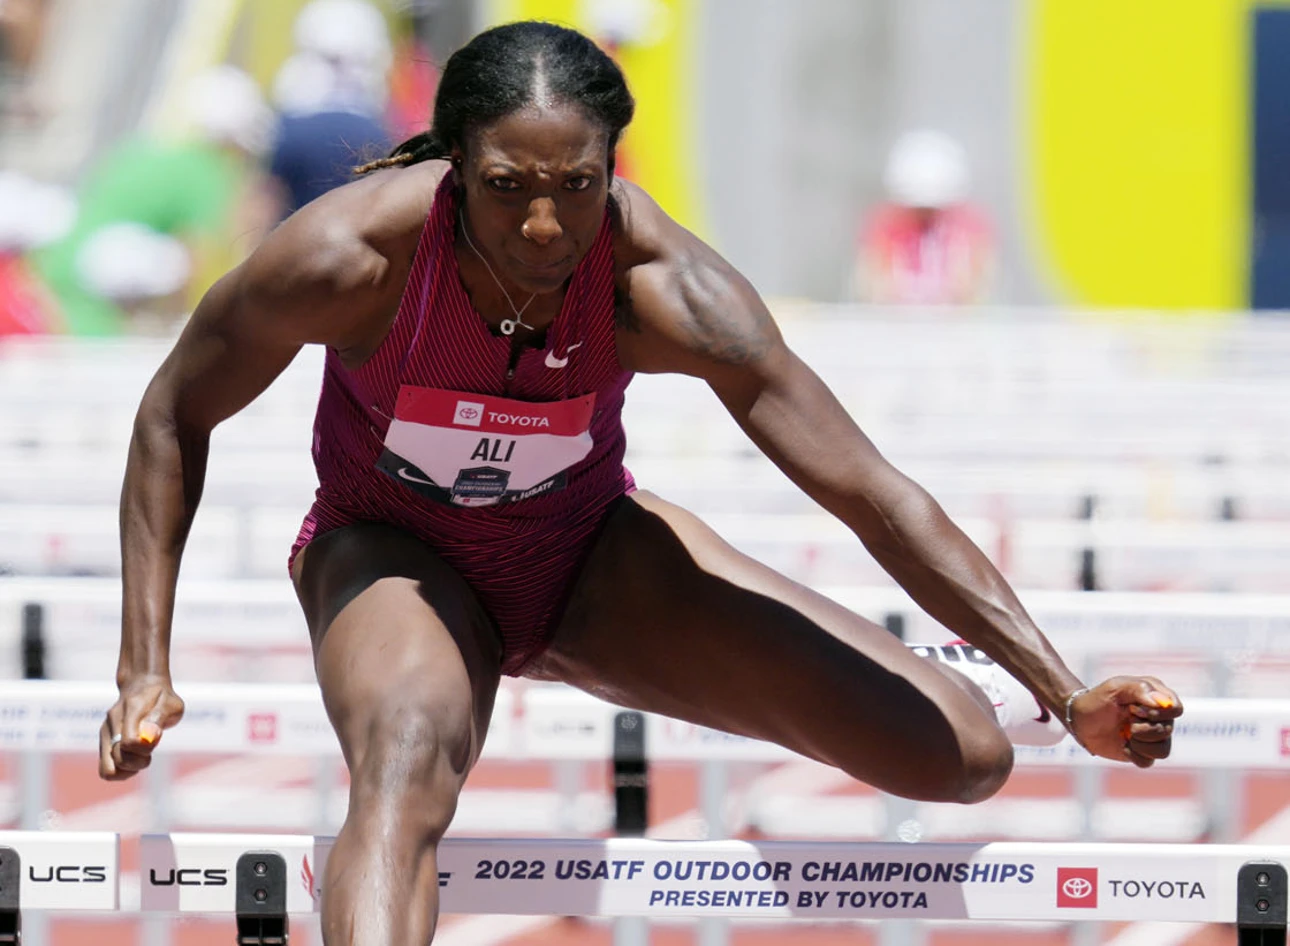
773	129
1040	249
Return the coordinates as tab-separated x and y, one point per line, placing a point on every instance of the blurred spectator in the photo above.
139	269
618	25
32	214
927	244
22	30
414	80
331	96
158	220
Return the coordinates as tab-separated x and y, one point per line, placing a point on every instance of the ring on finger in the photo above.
117	738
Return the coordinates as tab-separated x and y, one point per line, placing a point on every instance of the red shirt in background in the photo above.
928	256
25	307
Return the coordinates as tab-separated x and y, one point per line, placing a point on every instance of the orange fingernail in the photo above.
149	732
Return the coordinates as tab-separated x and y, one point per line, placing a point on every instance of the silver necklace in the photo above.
508	325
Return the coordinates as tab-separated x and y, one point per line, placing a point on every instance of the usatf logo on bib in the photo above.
469	414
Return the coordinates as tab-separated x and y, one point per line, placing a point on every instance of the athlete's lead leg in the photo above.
668	617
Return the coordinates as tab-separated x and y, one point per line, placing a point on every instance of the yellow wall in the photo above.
1138	149
661	139
266	38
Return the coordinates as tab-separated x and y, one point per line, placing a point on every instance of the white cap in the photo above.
127	260
225	105
627	22
32	213
351	31
308	82
926	169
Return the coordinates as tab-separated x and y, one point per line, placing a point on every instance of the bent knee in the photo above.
412	759
973	773
975	754
987	763
972	768
409	744
961	765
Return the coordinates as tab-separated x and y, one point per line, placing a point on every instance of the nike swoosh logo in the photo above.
553	362
403	472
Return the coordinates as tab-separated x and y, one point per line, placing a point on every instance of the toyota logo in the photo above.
468	412
1077	888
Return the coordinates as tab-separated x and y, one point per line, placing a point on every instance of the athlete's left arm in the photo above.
694	314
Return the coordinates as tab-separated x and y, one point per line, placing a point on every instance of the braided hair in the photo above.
507	68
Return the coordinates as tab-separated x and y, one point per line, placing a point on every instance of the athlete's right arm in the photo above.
323	276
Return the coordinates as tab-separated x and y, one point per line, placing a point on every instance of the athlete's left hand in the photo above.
1126	719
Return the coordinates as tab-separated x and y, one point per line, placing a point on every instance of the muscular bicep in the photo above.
306	283
694	314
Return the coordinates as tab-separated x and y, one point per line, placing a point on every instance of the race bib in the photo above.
477	450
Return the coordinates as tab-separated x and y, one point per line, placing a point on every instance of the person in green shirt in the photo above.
187	193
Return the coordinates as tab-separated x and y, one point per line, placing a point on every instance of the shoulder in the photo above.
643	231
650	244
340	258
378	214
685	308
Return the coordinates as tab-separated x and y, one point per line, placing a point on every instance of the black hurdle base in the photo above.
10	882
1261	904
261	902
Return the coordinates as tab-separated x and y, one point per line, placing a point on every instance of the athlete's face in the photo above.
536	184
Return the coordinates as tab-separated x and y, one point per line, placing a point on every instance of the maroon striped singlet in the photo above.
509	481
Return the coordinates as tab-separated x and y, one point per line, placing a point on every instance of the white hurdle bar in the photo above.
620	877
253	611
61	870
771	880
556	723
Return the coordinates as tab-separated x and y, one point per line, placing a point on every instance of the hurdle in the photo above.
263	880
549	723
561	726
559	723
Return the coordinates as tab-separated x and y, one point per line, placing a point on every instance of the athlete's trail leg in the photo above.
408	666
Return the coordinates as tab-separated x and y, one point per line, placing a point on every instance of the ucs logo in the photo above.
68	874
189	877
1077	887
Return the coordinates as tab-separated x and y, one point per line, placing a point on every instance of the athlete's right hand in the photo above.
147	706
